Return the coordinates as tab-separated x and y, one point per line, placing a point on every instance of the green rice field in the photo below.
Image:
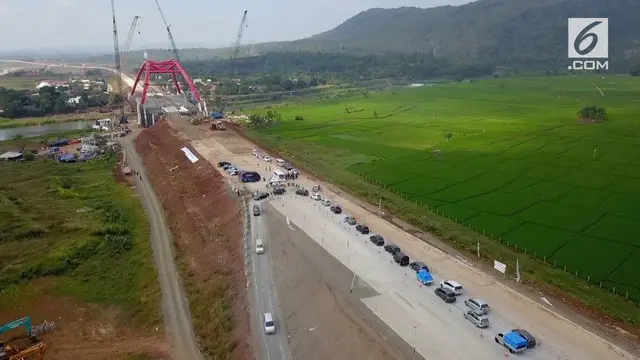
505	157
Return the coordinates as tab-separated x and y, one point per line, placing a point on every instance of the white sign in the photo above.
189	154
499	266
588	39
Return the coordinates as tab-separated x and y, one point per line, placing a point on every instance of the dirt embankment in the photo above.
206	224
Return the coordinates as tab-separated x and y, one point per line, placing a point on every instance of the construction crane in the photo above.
116	55
236	46
132	29
174	49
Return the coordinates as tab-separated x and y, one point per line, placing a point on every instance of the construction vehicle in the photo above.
34	352
24	322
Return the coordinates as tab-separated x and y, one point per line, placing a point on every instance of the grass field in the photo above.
27	82
518	166
78	230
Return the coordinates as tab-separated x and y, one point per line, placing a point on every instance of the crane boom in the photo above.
236	46
174	49
116	55
132	29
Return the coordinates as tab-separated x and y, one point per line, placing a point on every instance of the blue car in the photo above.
424	277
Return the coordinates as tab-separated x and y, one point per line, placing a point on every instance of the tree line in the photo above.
47	101
298	70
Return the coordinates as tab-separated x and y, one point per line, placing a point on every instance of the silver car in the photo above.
478	306
481	321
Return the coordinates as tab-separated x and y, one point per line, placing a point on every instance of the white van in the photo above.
279	174
259	246
279	161
266	158
269	324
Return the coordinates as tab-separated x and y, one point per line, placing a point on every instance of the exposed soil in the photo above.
83	331
206	224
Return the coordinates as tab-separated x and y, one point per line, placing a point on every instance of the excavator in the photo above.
34	352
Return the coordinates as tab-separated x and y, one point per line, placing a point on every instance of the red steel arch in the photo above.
172	67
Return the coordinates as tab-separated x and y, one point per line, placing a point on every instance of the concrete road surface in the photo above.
438	330
263	296
175	307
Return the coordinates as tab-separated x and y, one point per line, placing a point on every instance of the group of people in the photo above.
290	175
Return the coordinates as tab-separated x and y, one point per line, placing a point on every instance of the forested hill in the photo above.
525	33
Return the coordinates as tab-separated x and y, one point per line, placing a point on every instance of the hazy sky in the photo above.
75	24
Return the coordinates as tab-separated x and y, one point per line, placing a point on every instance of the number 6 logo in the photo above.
588	38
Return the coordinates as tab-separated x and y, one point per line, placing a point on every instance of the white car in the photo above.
259	246
269	324
267	158
326	202
280	161
316	196
453	286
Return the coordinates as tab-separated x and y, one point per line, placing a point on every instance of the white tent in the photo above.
275	180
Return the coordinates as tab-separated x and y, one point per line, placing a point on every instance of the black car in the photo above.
302	192
336	209
446	294
287	166
363	229
260	195
377	239
392	248
531	341
279	191
223	163
418	265
401	258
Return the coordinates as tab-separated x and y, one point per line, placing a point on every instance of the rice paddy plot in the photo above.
498	225
501	203
625	277
538	239
420	185
616	228
584	197
558	216
591	264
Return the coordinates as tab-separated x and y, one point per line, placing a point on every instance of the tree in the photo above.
375	114
448	136
593	113
635	70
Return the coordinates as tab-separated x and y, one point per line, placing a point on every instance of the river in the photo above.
40	130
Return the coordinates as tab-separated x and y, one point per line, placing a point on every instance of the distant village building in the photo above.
74	100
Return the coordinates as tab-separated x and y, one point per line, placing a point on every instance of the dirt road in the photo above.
402	300
175	308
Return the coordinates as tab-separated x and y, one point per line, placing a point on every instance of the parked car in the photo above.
401	258
350	220
531	341
424	276
363	229
266	158
223	163
279	161
316	196
287	166
336	209
256	210
326	202
377	239
479	320
512	341
259	246
418	265
302	192
269	324
392	249
315	188
453	286
257	196
279	191
445	294
478	306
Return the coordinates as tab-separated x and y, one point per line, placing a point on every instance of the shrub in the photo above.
299	117
119	244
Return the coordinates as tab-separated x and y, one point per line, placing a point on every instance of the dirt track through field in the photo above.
175	307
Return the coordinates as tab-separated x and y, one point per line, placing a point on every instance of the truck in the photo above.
513	341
